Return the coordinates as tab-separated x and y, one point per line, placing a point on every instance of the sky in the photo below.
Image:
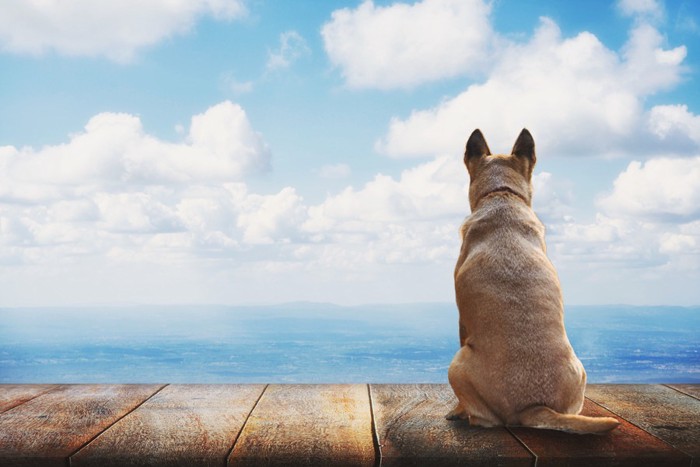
259	152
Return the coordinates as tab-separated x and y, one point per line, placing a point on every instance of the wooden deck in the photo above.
350	425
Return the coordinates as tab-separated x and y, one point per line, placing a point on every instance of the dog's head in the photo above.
499	172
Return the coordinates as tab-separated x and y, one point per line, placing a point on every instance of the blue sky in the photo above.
231	151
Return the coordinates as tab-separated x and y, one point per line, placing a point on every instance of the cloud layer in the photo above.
116	30
114	189
114	196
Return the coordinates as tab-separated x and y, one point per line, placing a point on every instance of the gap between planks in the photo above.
522	443
41	393
677	389
245	422
68	458
375	434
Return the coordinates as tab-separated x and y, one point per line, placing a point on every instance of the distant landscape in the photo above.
316	343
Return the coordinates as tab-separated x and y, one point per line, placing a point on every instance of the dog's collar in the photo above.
503	189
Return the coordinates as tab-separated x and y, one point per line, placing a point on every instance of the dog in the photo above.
515	366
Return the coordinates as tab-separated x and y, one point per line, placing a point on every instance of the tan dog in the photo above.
515	366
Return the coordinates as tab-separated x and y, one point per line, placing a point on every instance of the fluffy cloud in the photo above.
641	8
114	189
646	235
674	123
410	219
659	189
577	96
114	151
117	207
402	45
113	29
267	218
70	201
551	197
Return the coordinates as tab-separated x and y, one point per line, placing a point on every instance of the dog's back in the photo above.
510	307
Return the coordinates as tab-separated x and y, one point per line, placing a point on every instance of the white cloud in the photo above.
225	143
113	151
677	243
131	211
413	218
661	189
401	45
266	219
207	233
674	121
577	97
551	197
429	191
113	189
292	47
649	68
405	227
651	9
139	212
644	242
115	29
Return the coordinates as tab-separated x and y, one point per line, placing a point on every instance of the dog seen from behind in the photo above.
515	365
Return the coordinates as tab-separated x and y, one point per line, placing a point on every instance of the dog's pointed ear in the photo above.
476	146
524	146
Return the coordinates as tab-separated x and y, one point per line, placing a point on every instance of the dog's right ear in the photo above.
476	147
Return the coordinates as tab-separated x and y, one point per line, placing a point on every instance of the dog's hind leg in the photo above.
470	403
458	413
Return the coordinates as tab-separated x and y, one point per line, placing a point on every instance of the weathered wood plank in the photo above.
48	429
690	389
12	395
412	430
627	445
308	425
662	411
182	425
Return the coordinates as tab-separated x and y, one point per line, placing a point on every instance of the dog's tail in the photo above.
541	416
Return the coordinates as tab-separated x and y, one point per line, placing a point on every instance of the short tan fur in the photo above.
515	365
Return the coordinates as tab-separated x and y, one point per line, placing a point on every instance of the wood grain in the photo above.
325	425
627	445
690	389
662	411
182	425
48	429
308	425
412	430
12	395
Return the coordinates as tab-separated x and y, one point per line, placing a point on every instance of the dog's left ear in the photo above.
525	146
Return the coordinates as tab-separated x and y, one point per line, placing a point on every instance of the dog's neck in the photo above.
502	189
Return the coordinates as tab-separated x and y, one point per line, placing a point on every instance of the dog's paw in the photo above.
478	421
458	413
